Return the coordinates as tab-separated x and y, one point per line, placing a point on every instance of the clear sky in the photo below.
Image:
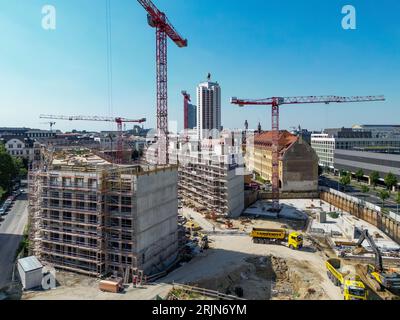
253	48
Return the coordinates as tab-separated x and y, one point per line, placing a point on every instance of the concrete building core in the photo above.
90	216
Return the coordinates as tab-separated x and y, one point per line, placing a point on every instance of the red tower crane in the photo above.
186	100
275	103
164	29
119	121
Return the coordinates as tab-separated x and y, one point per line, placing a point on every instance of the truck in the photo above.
351	285
294	240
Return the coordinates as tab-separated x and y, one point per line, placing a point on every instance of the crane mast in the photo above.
275	103
164	30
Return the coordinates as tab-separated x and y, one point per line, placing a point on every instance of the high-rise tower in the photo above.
208	108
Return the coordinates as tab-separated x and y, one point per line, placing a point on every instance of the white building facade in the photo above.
325	146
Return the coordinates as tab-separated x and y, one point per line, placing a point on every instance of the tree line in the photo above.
11	169
390	181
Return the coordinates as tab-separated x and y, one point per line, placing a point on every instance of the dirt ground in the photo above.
263	271
72	286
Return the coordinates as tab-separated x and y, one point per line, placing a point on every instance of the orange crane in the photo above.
164	29
275	103
119	121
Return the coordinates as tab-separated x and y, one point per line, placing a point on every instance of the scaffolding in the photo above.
83	214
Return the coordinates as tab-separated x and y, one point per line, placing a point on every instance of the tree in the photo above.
8	169
345	180
364	189
374	177
359	174
398	201
2	193
383	195
21	167
390	180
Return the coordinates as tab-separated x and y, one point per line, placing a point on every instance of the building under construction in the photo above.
211	174
90	216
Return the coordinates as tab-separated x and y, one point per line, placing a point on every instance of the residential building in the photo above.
208	109
94	217
21	147
298	162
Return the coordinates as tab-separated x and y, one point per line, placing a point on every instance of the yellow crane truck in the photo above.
351	285
294	240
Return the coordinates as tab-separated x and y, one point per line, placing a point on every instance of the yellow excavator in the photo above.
385	278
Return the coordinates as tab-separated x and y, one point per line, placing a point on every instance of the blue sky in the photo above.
254	49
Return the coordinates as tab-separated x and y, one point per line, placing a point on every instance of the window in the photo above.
79	182
80	196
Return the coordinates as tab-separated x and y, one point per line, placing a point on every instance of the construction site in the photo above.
177	224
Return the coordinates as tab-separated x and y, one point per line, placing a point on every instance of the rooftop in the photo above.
286	139
30	264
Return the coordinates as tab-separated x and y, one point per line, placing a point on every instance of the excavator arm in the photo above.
378	256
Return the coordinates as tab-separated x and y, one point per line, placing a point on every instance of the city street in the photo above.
11	231
355	191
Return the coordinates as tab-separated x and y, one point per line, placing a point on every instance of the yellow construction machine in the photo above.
351	285
384	278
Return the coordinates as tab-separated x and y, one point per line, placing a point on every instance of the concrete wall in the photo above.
364	211
31	279
157	219
235	184
300	168
263	195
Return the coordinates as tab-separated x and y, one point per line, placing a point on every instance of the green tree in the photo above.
374	177
398	201
390	180
359	174
8	169
383	195
21	167
345	180
2	193
364	189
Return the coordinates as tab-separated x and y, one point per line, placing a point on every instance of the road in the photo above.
355	191
11	231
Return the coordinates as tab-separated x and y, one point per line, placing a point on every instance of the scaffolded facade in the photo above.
86	216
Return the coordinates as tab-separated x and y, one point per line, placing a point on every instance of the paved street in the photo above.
11	230
355	191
